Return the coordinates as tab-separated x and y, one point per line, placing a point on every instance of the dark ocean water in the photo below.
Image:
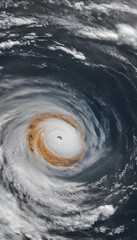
77	58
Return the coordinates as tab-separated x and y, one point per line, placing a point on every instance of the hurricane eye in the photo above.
59	137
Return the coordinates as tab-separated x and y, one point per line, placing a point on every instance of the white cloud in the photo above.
8	44
72	51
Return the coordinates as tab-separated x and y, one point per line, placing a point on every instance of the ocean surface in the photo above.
74	58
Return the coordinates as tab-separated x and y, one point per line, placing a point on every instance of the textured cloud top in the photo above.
58	138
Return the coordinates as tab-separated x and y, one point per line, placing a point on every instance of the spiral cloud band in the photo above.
56	149
68	120
47	140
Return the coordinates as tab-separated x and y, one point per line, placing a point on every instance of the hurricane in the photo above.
68	120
